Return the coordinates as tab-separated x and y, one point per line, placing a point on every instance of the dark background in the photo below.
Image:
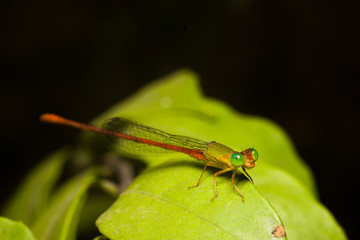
294	62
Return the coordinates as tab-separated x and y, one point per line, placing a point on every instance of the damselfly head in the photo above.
250	156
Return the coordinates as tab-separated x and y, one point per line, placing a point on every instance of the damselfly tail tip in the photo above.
49	117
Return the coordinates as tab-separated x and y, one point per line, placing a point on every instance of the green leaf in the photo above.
303	215
31	198
100	238
11	230
158	203
96	203
59	221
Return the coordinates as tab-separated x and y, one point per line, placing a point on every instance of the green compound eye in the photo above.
255	154
237	159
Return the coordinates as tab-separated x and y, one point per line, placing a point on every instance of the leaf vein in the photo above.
181	206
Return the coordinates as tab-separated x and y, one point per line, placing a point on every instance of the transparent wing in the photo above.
126	146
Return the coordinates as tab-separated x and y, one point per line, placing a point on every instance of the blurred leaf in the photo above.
96	203
100	238
60	219
31	198
11	230
158	203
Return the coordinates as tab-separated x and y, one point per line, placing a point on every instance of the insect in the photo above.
131	137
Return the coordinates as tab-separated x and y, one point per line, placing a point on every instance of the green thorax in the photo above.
218	155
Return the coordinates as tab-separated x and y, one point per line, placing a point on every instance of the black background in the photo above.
294	62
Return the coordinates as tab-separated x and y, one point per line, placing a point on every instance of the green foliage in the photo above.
31	198
11	230
63	212
56	215
159	205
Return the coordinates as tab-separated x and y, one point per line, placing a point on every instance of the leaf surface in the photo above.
160	204
14	230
